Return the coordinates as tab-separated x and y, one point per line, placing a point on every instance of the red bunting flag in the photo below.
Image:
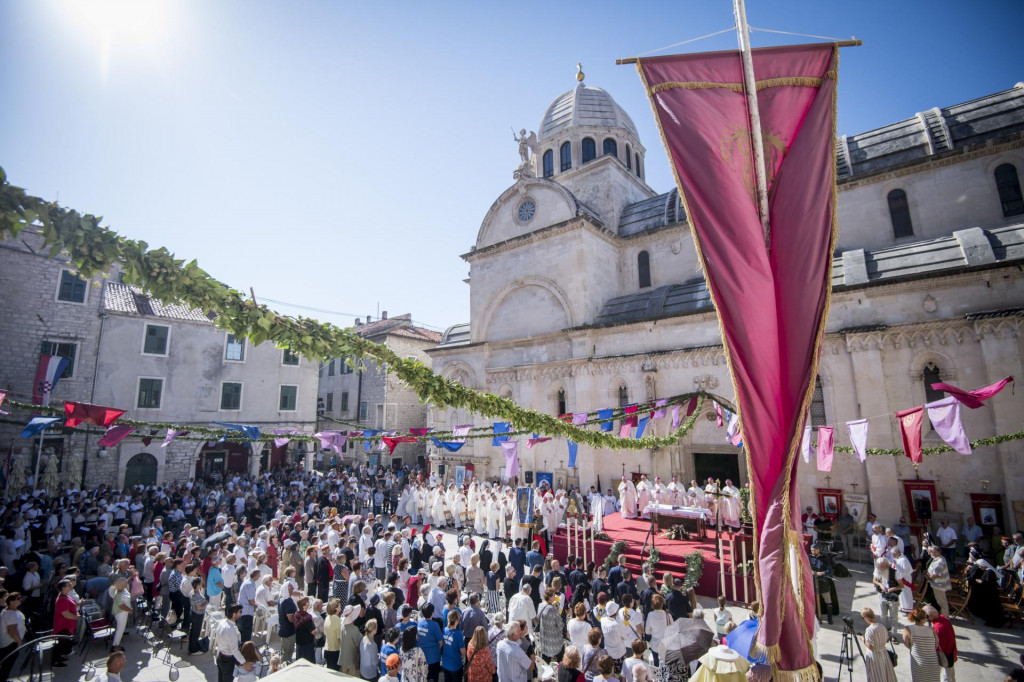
115	434
84	413
771	291
910	429
392	443
976	398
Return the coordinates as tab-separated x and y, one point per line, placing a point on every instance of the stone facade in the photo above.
112	361
376	399
562	319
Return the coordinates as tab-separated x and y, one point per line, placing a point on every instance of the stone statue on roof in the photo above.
527	146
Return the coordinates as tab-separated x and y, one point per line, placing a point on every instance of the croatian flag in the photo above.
48	373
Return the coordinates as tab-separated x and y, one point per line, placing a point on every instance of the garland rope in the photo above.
94	250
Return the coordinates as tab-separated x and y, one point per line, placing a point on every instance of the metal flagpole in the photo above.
756	143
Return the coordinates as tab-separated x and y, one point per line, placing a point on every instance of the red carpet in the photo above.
673	552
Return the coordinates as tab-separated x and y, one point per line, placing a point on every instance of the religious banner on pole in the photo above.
524	507
769	275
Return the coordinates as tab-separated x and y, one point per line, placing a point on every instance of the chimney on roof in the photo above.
384	315
368	319
359	322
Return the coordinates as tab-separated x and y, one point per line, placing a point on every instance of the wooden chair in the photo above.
1014	606
958	598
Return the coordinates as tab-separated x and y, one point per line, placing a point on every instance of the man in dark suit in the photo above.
510	586
578	575
517	557
534	581
615	575
534	556
323	576
678	604
600	583
626	586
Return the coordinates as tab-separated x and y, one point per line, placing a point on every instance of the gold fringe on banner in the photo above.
791	81
808	674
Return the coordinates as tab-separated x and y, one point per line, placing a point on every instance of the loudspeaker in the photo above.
923	508
528	477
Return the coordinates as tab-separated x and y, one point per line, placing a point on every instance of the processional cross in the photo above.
942	498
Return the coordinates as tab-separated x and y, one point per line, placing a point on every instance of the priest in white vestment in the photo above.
628	498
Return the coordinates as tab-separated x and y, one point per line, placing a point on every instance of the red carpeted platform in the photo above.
673	552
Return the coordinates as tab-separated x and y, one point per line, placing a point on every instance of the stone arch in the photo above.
142	468
520	190
544	289
619	382
922	360
460	372
552	396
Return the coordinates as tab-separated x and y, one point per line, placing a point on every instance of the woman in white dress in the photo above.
876	657
919	637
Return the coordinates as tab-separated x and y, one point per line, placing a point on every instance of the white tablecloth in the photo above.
680	512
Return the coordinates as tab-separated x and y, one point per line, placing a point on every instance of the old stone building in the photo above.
585	294
362	397
163	363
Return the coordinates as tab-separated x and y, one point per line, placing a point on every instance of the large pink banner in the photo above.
772	299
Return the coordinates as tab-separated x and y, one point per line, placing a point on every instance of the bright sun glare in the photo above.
120	28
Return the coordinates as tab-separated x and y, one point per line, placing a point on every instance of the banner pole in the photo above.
39	456
756	142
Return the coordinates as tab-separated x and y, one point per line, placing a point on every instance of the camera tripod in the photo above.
846	651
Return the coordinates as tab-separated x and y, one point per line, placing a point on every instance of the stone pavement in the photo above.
985	654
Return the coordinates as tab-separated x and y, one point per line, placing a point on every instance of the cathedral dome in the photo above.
584	105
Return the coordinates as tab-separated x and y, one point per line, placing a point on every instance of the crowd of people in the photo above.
348	570
345	570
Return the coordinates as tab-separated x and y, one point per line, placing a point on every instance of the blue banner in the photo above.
573	447
524	506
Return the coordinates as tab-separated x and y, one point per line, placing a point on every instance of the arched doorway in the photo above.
141	469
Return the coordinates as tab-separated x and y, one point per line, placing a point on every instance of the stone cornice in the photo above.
578	222
942	160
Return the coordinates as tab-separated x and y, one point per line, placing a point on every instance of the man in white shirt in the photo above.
947	541
879	542
520	607
229	576
466	553
617	638
380	557
115	664
513	664
265	595
228	654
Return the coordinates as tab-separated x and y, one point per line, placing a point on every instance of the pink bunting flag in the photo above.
3	396
945	418
720	415
459	433
859	437
629	414
171	435
805	445
675	417
826	447
536	441
331	439
910	429
421	431
579	418
976	398
511	450
659	409
734	426
281	442
625	430
115	434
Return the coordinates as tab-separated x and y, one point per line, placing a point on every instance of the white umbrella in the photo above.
50	480
17	479
73	472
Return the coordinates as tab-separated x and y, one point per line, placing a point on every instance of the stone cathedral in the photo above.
585	294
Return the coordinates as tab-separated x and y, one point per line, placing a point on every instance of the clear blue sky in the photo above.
341	155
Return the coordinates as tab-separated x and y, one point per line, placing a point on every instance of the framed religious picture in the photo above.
921	500
857	503
987	509
545	477
460	475
830	501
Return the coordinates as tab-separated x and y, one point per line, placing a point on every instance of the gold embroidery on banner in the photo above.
735	152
